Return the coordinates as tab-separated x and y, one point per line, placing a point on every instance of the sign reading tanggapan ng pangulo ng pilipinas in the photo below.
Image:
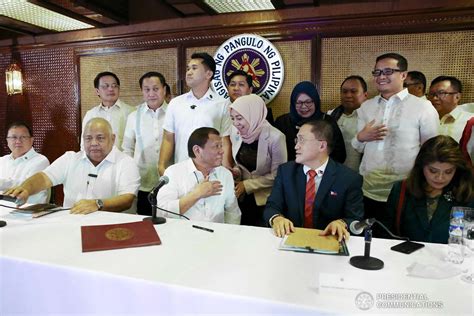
256	56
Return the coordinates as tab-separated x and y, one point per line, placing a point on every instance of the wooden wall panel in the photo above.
49	101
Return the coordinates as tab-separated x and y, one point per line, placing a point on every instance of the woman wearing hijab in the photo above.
306	106
258	149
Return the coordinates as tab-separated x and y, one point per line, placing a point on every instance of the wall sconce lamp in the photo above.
14	79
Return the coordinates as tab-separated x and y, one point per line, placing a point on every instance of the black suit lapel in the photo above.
300	191
328	178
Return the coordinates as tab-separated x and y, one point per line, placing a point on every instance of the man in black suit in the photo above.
314	191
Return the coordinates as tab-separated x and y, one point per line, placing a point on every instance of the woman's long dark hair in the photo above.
442	149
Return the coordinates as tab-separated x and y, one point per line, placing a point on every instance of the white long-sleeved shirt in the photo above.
142	141
348	126
183	178
410	122
14	171
453	123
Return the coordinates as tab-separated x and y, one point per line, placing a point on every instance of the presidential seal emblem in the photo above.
364	301
256	56
119	234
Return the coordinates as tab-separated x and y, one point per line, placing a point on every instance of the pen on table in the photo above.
204	228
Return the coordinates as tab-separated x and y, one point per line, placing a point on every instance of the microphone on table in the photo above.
357	227
163	180
367	262
152	199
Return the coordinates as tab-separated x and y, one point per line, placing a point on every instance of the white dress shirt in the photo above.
453	123
410	122
319	174
348	126
117	174
186	113
14	171
183	178
142	141
116	115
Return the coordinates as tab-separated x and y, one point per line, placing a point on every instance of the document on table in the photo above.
36	210
308	240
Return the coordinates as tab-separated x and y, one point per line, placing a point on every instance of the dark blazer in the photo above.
339	195
414	222
284	124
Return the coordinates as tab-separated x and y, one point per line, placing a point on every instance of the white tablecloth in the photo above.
235	270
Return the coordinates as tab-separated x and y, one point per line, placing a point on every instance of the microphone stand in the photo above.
367	262
154	219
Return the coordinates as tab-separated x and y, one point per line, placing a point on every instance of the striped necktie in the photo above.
309	199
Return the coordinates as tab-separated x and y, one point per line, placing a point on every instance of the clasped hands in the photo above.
283	226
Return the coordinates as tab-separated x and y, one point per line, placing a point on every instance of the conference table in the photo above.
236	270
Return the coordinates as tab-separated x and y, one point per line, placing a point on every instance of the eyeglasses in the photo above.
301	140
440	94
15	138
105	86
306	103
99	139
385	72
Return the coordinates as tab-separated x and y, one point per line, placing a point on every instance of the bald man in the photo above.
100	178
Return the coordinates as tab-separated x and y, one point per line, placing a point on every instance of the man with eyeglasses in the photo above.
415	82
100	178
23	161
314	191
445	93
392	127
115	111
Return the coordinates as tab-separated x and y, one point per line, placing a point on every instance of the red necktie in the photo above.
309	199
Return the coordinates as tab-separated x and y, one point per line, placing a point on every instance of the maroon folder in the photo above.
116	236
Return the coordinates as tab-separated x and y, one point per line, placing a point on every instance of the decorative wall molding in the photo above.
415	21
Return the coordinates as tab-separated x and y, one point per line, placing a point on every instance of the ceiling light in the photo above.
33	14
226	6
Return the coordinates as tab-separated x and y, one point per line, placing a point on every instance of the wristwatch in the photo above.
100	204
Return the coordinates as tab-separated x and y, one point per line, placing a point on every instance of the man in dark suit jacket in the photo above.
338	200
